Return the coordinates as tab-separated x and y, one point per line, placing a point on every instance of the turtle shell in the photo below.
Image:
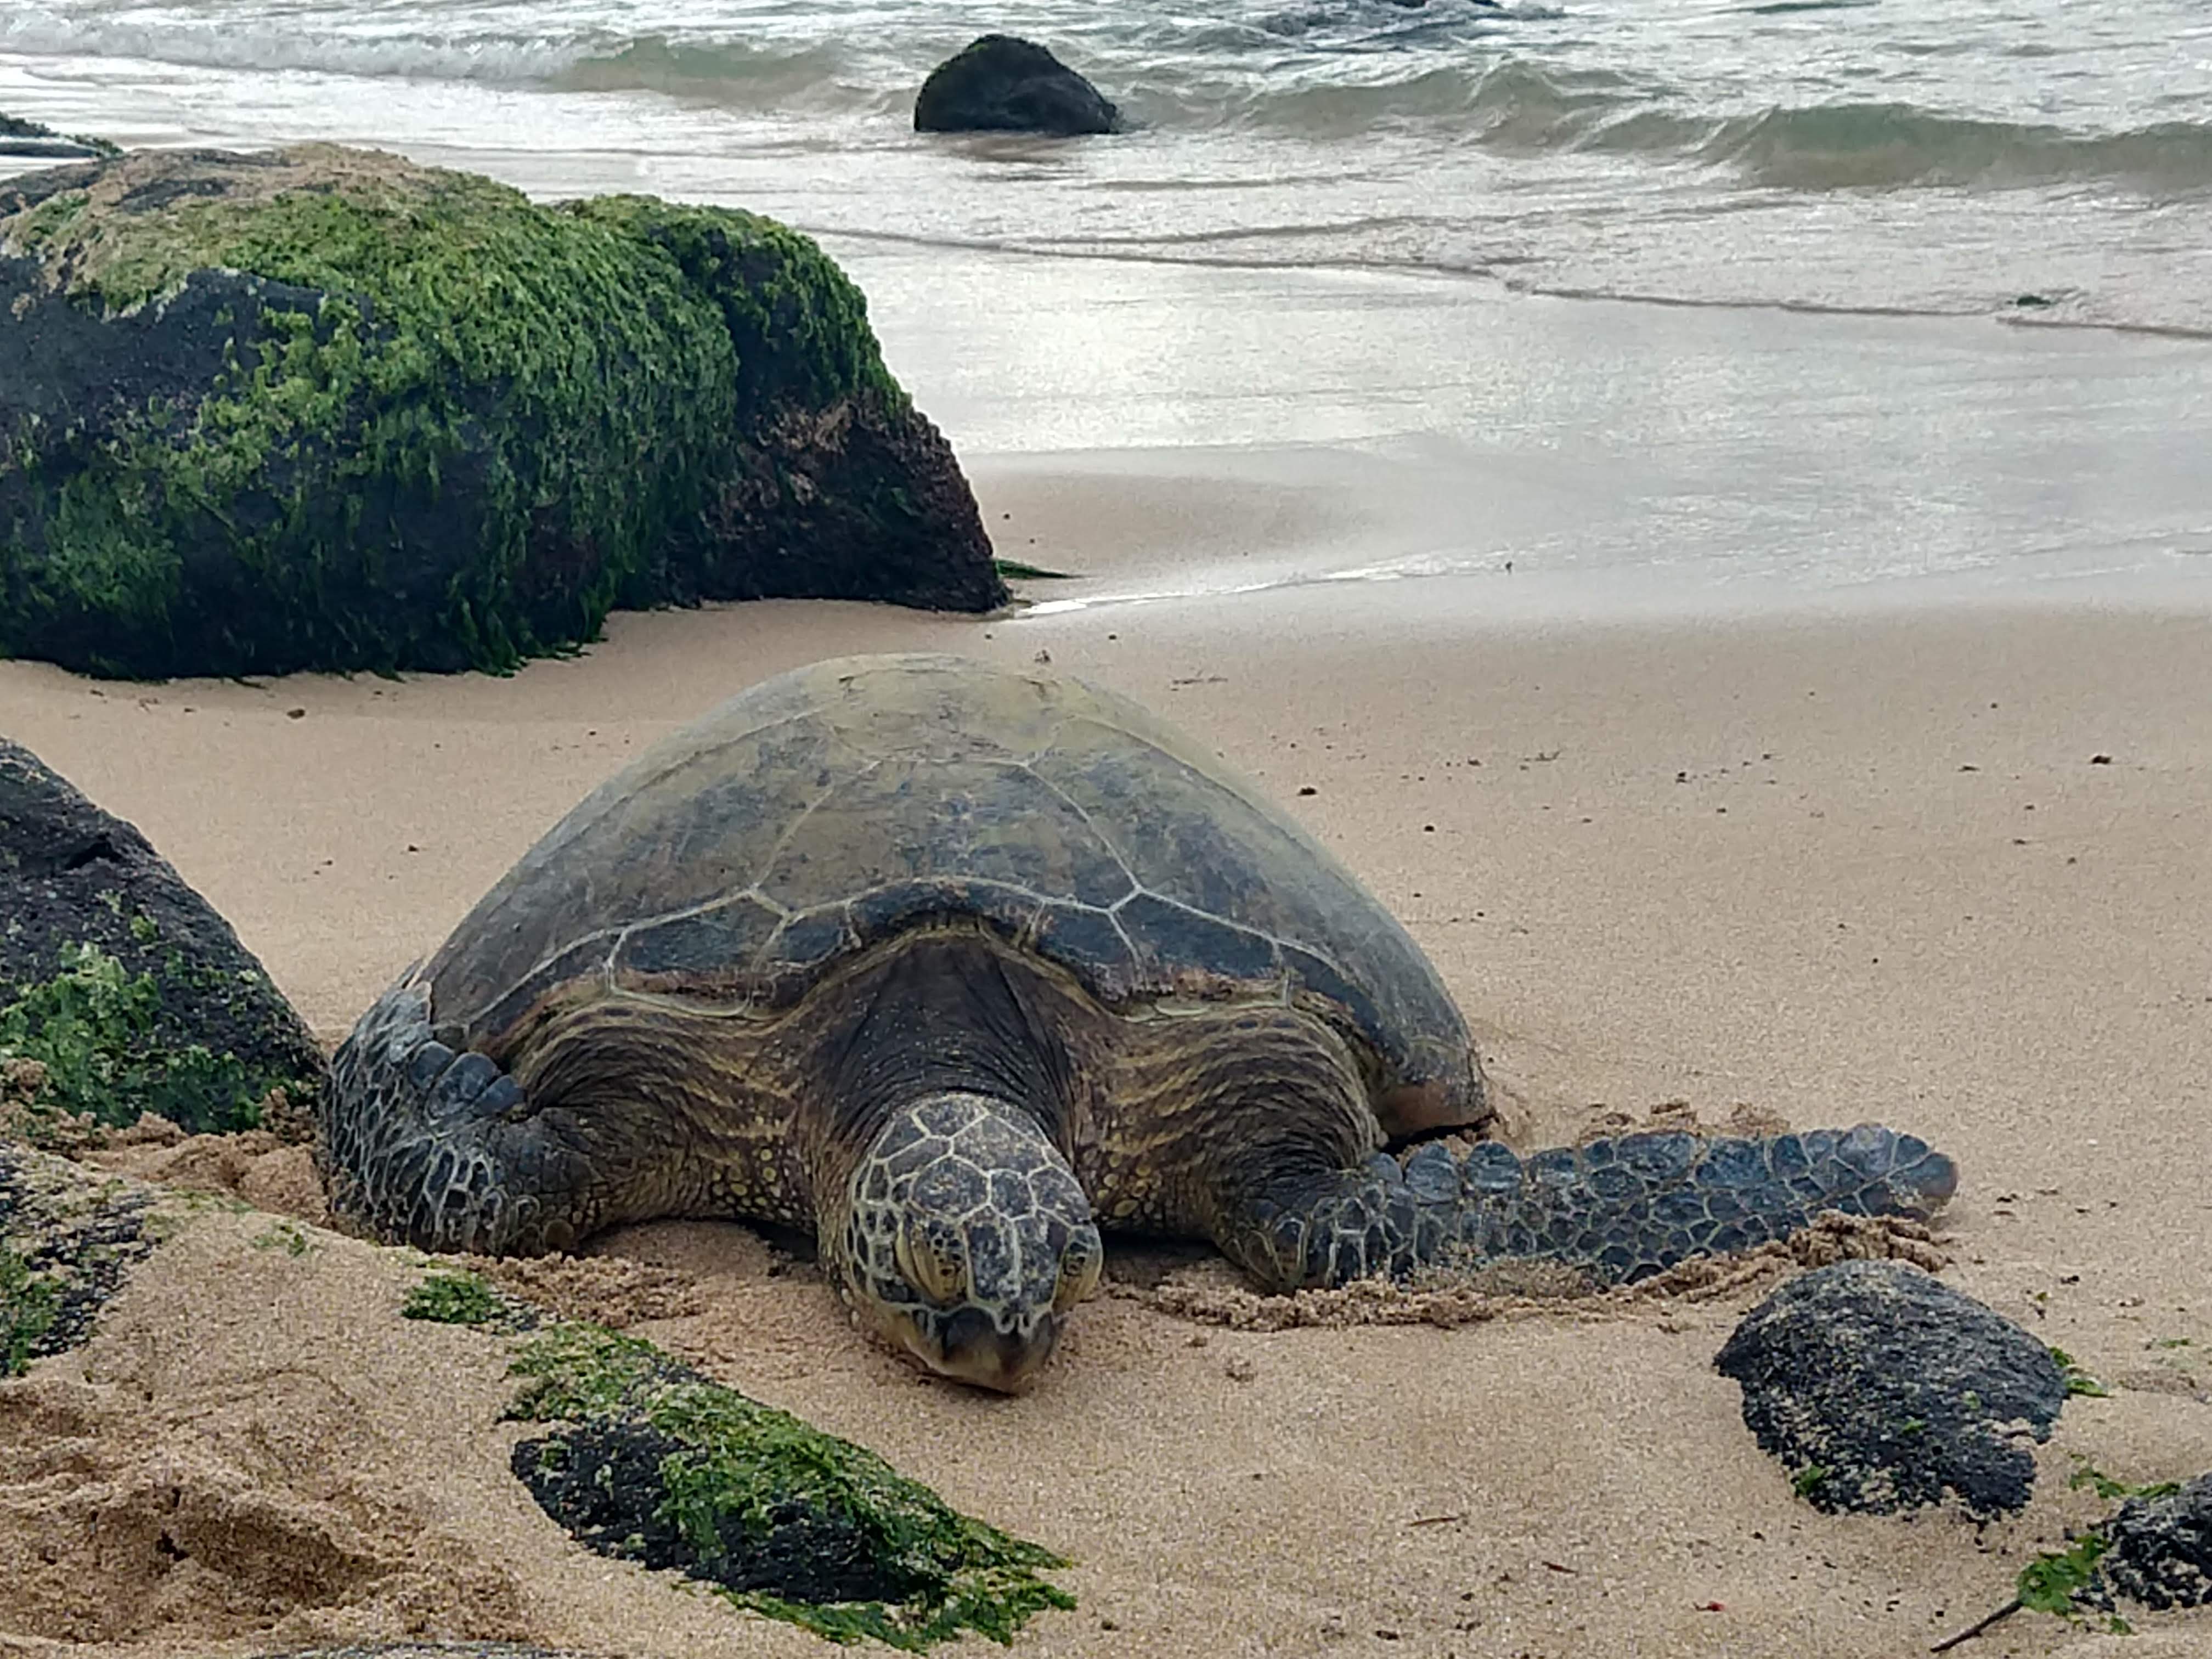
821	812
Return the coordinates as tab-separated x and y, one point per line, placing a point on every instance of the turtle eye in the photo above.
929	1269
1078	1274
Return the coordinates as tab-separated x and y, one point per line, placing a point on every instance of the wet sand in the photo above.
1831	864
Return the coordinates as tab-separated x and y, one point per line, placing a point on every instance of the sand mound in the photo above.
257	1167
234	1455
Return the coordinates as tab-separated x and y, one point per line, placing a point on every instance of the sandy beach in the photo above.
1932	860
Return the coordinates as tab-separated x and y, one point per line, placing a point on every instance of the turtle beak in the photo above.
969	1345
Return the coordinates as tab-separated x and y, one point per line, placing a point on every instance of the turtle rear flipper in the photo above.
438	1148
1619	1210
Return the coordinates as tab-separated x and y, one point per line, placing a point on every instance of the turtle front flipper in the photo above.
436	1148
1619	1210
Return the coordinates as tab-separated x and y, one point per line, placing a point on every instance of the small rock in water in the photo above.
1881	1388
1001	83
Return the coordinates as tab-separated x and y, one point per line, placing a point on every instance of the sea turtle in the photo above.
953	964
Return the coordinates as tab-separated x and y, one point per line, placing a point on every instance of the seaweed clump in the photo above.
651	1461
94	1029
443	1297
326	409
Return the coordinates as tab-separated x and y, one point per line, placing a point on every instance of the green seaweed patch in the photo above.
285	1236
452	1298
92	1028
2054	1580
28	1307
655	1463
2087	1473
2078	1381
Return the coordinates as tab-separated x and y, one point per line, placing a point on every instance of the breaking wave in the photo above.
1445	72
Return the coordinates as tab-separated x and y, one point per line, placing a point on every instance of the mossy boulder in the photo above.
122	990
323	408
30	140
647	1460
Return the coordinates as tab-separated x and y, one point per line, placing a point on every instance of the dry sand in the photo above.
1828	867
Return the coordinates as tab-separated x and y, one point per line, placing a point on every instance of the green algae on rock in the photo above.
28	1307
68	1240
445	1298
121	985
325	409
22	140
649	1461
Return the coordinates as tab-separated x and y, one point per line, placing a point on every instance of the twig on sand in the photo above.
1433	1520
1976	1629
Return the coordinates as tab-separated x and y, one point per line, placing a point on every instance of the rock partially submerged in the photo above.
1881	1389
119	984
31	140
325	409
1001	83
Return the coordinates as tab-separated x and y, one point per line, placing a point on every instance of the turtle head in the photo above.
967	1240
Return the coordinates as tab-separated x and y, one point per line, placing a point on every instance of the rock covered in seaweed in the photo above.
647	1460
326	409
123	985
1001	83
1881	1388
32	141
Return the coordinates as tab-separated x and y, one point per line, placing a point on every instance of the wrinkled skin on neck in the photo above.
967	1240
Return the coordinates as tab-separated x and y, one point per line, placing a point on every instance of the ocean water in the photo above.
2043	161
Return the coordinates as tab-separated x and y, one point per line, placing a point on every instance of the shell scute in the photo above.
701	948
884	913
1196	953
1090	945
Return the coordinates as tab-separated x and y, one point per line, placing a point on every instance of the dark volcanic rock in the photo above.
30	140
2159	1549
1001	83
602	1481
1881	1388
123	984
647	1460
68	1238
325	409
